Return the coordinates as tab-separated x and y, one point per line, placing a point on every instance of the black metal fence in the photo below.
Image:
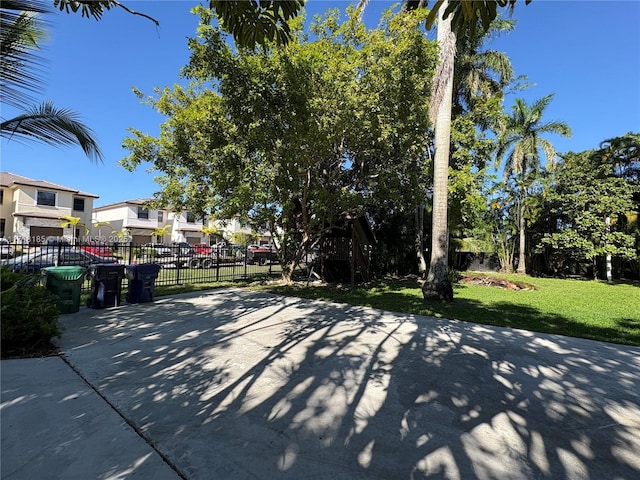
180	264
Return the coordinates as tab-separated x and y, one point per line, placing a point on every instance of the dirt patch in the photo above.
496	282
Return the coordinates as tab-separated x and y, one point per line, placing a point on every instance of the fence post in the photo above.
246	252
178	263
217	264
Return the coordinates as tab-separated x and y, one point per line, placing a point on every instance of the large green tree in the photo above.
21	32
591	202
290	137
456	19
522	147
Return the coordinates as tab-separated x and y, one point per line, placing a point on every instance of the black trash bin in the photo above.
142	281
106	285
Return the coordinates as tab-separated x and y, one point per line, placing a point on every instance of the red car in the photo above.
202	249
98	248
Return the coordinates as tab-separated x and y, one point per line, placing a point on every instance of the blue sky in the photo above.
585	52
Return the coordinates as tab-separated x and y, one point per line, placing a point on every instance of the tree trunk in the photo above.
522	267
437	284
608	257
288	268
422	262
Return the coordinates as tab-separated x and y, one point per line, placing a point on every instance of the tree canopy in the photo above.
288	138
592	202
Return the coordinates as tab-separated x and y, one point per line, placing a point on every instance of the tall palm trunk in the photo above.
437	284
522	267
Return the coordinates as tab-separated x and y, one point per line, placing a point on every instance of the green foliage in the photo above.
500	224
291	137
29	315
591	201
521	144
242	239
9	278
467	16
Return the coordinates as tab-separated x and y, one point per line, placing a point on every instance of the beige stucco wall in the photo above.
24	201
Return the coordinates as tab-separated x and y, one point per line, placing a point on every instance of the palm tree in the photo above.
21	30
160	232
437	283
481	74
74	223
99	226
521	143
456	18
123	235
210	231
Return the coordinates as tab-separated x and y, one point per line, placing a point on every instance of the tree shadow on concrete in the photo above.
235	384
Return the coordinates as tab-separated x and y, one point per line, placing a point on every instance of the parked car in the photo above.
55	244
6	250
160	249
98	248
34	262
184	248
262	255
202	248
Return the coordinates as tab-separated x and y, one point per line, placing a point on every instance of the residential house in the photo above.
33	210
132	221
188	228
141	224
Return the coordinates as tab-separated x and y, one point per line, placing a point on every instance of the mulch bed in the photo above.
496	282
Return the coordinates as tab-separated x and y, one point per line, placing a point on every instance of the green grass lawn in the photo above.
577	308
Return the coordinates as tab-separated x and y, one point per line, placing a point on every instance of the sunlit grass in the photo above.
587	309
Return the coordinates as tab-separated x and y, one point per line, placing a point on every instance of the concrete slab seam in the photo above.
141	434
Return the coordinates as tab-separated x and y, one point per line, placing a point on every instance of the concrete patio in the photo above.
232	384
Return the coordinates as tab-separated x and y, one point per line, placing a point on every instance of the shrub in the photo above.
29	316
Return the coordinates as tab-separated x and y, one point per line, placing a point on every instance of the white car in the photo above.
6	250
160	249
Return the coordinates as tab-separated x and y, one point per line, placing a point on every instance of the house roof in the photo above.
9	180
136	202
53	215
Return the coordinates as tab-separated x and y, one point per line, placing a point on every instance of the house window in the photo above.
191	218
160	217
1	196
2	226
143	213
46	198
78	204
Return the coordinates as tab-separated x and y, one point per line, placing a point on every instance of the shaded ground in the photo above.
238	384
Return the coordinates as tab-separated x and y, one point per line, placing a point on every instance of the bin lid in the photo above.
73	272
106	266
100	270
143	268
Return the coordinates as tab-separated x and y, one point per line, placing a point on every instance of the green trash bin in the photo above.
66	283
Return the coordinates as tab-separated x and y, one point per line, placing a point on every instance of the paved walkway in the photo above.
231	384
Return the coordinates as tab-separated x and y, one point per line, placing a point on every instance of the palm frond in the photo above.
20	66
54	126
559	128
549	151
444	72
